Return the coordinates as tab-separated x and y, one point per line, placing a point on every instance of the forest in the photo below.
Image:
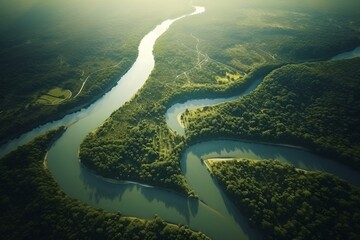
34	207
63	44
288	203
191	57
50	48
314	105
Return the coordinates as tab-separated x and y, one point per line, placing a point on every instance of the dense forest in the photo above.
59	56
73	45
217	53
34	207
314	105
288	203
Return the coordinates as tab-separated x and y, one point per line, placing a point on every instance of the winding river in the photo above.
215	215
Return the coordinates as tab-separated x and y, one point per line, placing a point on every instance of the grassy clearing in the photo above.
54	96
228	78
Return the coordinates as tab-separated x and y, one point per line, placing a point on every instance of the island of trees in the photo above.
288	203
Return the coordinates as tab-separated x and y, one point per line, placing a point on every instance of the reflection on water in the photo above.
98	190
296	157
209	191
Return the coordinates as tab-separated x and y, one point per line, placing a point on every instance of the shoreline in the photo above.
45	161
210	161
199	141
135	182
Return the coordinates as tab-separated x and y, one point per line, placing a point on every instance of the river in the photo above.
215	215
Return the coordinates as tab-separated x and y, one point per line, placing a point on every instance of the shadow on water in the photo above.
193	168
233	211
297	157
199	178
97	189
184	206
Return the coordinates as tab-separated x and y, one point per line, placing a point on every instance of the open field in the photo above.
54	96
228	78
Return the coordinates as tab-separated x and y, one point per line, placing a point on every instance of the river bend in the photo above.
215	215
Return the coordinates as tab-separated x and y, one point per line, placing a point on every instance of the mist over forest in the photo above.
134	110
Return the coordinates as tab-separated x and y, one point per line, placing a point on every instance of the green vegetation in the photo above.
229	77
54	96
314	105
227	40
61	44
217	53
33	207
287	203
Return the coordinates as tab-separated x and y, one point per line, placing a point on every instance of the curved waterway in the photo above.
214	215
173	114
125	89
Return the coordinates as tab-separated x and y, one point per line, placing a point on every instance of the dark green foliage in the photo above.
33	207
287	203
147	153
314	105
